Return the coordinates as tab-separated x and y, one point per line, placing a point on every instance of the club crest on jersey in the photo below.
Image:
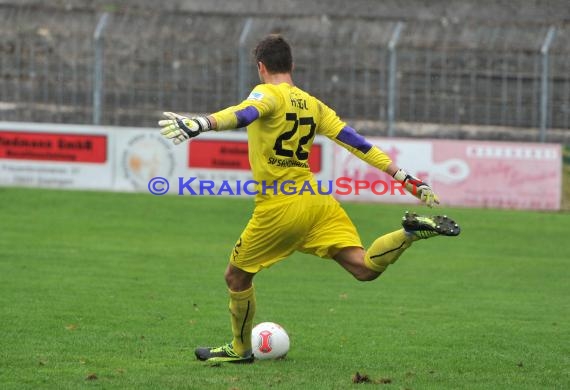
255	96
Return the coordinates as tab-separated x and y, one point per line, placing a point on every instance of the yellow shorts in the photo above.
308	223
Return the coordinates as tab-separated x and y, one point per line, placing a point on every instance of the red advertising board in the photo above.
233	155
44	146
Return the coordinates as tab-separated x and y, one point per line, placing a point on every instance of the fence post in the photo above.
544	82
392	75
243	61
98	67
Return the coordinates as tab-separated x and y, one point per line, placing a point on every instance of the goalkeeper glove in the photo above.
417	187
179	128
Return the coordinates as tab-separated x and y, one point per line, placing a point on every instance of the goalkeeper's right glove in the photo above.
416	187
179	128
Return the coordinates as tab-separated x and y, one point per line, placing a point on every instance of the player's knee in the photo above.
232	279
236	279
228	277
364	274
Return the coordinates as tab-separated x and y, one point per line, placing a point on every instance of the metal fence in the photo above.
124	69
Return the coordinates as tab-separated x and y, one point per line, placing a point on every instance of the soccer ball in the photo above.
269	341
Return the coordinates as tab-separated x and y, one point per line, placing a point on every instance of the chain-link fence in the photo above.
125	69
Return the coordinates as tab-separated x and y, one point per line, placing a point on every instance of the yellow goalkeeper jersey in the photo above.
282	121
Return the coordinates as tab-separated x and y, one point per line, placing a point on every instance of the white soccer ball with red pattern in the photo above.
269	341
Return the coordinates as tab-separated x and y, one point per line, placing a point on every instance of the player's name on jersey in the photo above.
299	103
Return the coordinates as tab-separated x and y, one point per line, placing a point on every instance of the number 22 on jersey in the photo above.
306	127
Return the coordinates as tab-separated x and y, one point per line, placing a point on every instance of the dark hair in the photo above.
275	53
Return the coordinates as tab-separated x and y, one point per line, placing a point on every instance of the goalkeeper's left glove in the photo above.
417	187
179	128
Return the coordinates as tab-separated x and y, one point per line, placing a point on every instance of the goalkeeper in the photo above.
282	121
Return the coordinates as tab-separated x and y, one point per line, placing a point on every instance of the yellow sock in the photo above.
242	309
386	250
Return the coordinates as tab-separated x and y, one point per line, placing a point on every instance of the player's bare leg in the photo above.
242	309
237	279
352	260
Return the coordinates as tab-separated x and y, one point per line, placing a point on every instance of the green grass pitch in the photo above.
113	291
